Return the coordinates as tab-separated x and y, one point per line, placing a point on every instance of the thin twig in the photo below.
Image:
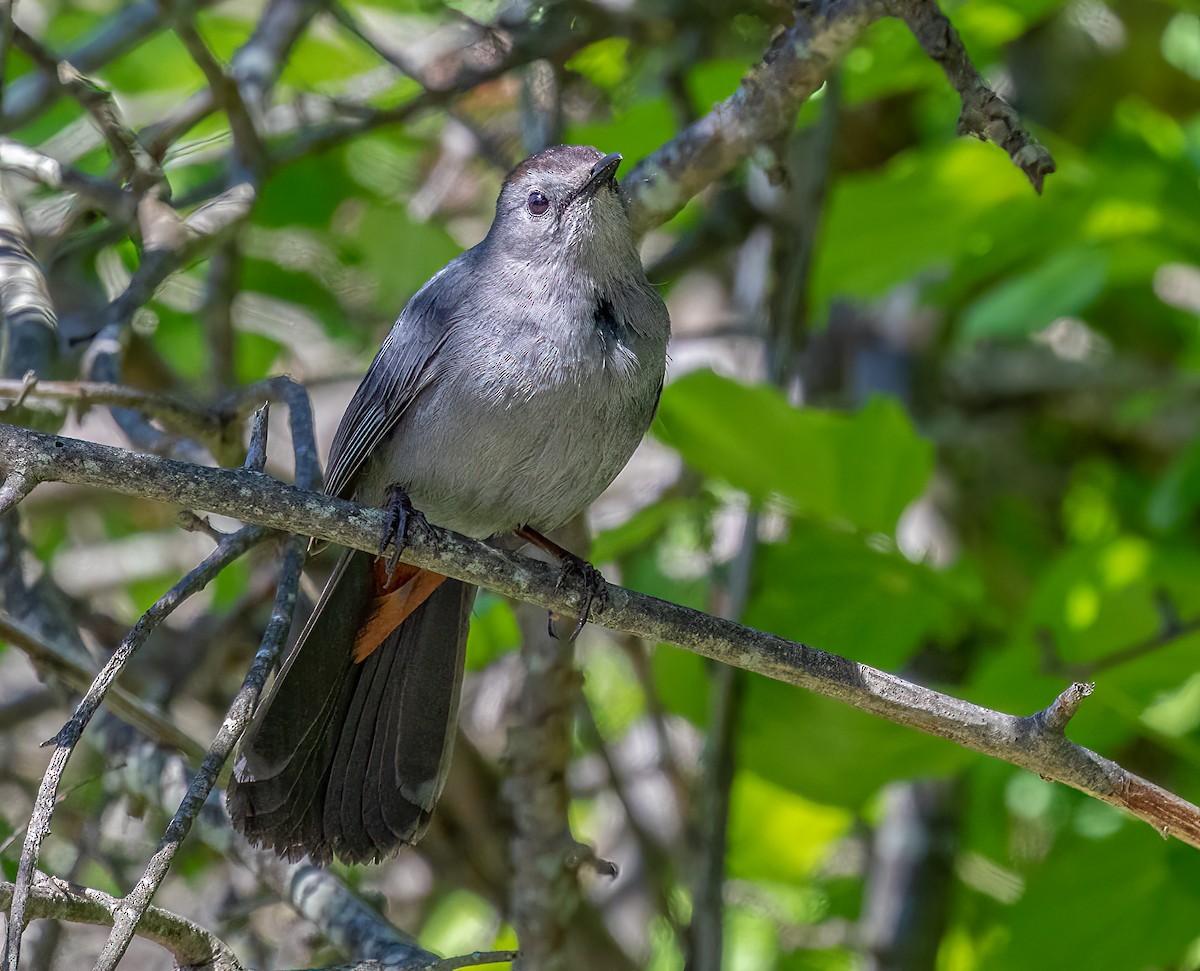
174	412
256	453
249	157
216	312
1055	717
7	26
135	711
1171	630
27	96
658	866
136	902
133	162
69	735
242	401
984	113
169	242
257	63
116	203
189	943
473	960
764	106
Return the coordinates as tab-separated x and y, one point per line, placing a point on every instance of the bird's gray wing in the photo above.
406	363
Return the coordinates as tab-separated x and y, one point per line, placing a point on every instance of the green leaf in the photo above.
834	591
832	753
493	631
1175	499
1139	889
863	468
925	211
777	835
604	63
1064	284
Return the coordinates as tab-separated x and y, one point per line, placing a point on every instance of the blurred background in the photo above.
916	415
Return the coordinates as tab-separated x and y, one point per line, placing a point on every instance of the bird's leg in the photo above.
574	571
401	518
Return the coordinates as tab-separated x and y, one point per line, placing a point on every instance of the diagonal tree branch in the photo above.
189	943
196	949
141	714
984	113
137	902
763	108
27	96
69	735
1033	742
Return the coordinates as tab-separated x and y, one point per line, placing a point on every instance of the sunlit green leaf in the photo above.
863	468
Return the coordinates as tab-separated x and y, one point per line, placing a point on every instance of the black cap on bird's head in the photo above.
567	195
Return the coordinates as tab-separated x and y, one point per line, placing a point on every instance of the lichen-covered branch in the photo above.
1028	742
68	736
763	109
984	113
189	943
142	715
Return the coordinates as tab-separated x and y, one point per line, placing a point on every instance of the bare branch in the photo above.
137	901
800	59
1022	741
351	926
28	323
27	96
1064	707
39	825
216	312
133	162
173	412
7	28
116	203
472	960
250	159
300	421
15	487
1172	627
170	242
985	114
258	62
256	454
142	715
189	943
757	114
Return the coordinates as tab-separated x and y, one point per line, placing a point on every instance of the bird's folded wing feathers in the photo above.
405	364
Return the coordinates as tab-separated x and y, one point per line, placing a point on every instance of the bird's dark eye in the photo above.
538	204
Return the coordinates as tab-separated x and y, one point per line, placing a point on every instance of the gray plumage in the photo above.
510	392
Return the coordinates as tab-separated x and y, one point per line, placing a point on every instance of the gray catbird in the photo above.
508	395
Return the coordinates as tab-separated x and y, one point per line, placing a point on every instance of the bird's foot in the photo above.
402	520
574	571
592	589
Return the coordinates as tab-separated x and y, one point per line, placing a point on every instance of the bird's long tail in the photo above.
348	753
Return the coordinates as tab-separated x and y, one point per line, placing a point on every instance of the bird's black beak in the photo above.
602	172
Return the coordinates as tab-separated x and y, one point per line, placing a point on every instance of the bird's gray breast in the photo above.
531	414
